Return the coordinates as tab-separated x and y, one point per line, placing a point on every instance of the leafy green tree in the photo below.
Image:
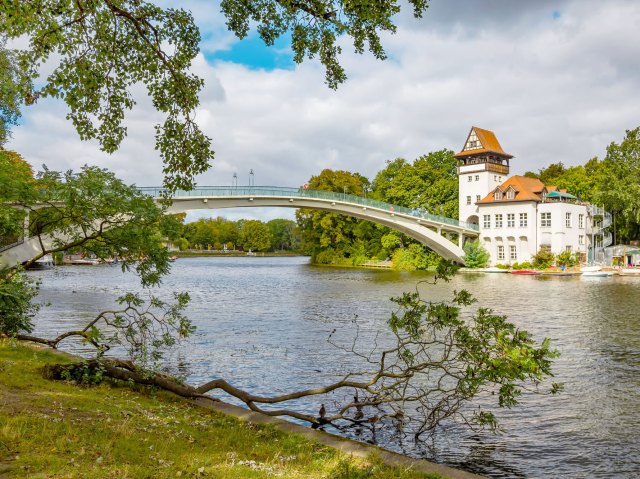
284	234
430	182
326	233
316	26
619	187
16	181
254	236
9	93
100	49
475	255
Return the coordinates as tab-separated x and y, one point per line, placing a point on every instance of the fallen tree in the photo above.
437	358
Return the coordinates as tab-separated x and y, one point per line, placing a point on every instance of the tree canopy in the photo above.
100	49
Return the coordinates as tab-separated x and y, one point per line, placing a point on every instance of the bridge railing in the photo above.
230	191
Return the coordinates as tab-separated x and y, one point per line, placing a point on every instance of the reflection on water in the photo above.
264	323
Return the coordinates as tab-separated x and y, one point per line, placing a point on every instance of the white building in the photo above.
517	216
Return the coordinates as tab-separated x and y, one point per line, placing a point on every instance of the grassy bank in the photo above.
54	429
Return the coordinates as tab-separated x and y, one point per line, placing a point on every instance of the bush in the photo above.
476	256
543	258
16	309
566	258
523	265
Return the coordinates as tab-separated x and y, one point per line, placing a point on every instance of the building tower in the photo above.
482	166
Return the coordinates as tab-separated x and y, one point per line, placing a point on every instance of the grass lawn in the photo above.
53	429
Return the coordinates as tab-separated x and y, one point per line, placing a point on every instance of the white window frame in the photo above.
468	200
499	220
511	220
497	195
513	252
511	195
545	219
500	253
523	220
581	221
478	198
477	177
567	220
470	178
580	239
486	221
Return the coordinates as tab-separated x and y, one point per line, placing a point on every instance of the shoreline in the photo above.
396	463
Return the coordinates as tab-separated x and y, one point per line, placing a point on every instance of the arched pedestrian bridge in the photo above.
431	230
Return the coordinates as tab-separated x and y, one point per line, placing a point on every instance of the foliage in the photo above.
100	50
459	360
619	188
283	235
430	183
208	232
523	265
9	93
543	259
95	211
17	309
16	182
475	255
581	180
254	236
316	26
566	258
322	230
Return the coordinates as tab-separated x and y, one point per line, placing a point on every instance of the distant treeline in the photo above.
246	235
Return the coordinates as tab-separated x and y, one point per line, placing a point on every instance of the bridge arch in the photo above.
426	228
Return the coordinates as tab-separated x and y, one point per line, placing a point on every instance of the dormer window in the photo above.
497	195
511	194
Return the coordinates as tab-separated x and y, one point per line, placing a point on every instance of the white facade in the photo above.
475	182
513	232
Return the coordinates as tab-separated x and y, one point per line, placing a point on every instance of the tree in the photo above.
619	187
100	49
16	181
475	255
9	93
430	182
325	235
436	361
254	236
284	234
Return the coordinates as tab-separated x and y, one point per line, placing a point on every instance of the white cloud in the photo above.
553	89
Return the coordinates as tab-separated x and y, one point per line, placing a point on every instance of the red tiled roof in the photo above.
489	142
527	189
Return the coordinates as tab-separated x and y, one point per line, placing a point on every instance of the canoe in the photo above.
526	271
494	270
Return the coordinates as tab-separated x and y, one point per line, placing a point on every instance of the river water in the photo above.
263	324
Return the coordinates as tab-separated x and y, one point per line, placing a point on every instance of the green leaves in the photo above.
475	255
460	356
316	26
102	49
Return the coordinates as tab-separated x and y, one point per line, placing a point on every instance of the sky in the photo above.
557	81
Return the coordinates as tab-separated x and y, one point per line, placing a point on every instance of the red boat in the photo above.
525	271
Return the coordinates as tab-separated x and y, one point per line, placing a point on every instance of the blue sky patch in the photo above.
253	53
556	14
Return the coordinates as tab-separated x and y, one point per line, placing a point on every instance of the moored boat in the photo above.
597	274
494	270
526	271
630	271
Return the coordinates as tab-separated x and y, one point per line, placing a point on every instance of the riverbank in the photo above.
235	254
57	429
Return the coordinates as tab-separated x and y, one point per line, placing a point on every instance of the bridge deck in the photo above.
275	191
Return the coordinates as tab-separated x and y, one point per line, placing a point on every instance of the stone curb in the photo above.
348	446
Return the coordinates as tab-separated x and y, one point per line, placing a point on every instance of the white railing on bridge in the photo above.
271	191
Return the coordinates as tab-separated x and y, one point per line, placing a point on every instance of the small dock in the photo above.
377	264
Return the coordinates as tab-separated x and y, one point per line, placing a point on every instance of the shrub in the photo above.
475	255
16	308
543	258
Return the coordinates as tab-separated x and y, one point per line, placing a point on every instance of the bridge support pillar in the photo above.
461	240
